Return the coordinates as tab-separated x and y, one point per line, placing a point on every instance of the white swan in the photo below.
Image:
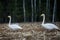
48	26
13	26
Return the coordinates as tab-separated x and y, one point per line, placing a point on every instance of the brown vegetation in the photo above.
31	31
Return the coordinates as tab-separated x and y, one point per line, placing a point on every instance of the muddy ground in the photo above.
30	31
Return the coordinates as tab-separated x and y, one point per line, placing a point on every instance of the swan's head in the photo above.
42	14
9	16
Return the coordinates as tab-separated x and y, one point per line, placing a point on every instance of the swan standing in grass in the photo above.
13	26
48	26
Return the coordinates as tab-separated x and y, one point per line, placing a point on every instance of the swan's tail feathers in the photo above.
20	27
58	29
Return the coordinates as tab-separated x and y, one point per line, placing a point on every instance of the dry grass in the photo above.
31	31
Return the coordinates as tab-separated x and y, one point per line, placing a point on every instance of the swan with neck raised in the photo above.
13	26
49	26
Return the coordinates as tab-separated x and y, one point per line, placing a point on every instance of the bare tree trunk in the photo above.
35	10
24	10
40	8
15	8
14	11
48	9
32	9
54	11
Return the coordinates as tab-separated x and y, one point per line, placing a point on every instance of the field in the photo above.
30	31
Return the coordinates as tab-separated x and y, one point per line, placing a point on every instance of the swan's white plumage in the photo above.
13	26
49	26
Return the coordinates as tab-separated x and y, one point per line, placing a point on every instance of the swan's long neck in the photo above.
10	21
43	19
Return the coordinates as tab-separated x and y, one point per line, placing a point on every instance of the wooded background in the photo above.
29	10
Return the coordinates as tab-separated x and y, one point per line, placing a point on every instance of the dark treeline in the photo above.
29	11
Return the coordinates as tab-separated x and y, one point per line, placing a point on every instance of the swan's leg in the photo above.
44	36
24	38
57	33
49	38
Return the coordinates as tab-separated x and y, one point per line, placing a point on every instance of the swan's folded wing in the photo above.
51	26
15	26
